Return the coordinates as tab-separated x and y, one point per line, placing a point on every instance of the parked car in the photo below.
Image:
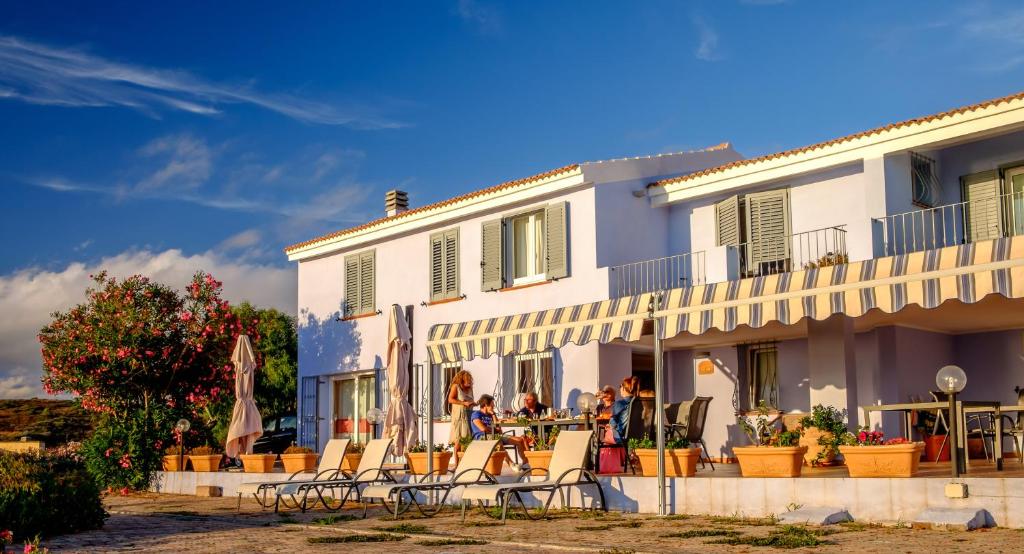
278	434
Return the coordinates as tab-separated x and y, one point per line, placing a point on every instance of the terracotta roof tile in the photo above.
889	127
454	200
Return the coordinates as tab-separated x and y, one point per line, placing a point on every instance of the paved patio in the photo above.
172	523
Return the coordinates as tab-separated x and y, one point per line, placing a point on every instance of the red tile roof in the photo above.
467	196
889	127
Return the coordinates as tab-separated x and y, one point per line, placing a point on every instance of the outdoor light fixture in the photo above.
373	417
951	379
586	403
181	427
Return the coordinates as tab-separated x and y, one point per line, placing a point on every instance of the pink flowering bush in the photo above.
140	355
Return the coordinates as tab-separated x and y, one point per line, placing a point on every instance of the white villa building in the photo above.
843	273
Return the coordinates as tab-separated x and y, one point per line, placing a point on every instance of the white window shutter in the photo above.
768	226
727	222
492	271
982	192
556	240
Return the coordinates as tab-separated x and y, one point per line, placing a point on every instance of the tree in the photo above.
142	355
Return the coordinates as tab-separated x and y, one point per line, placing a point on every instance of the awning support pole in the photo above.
659	412
429	417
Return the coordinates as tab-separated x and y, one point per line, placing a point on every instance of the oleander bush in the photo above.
47	494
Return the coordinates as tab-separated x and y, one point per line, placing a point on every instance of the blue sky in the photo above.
167	138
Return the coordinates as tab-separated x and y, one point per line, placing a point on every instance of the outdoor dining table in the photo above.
543	424
963	407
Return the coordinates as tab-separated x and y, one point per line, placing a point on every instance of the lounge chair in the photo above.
328	468
371	470
566	471
470	471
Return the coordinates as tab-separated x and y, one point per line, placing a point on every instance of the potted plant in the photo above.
463	444
205	458
821	432
172	458
417	457
680	457
867	454
258	463
775	453
497	460
539	454
936	446
353	455
298	458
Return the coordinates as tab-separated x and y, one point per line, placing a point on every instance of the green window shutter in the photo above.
451	263
351	285
768	226
555	240
436	267
492	271
984	217
727	222
367	301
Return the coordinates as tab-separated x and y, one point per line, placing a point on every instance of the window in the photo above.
758	225
535	372
359	284
444	265
443	375
763	376
524	248
924	181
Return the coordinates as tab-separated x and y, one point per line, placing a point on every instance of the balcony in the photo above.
671	272
952	224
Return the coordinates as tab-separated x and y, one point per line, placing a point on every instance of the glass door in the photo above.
353	396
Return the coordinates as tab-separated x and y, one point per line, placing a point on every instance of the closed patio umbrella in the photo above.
246	425
399	423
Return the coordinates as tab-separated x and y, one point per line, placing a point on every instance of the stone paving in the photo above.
170	523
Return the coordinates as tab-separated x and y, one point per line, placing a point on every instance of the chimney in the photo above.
395	202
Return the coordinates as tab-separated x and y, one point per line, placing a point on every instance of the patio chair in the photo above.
328	468
676	418
566	471
694	430
371	470
1013	429
470	471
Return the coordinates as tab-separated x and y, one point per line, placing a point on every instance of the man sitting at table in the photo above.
532	409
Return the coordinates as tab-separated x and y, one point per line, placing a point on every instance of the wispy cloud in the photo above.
485	19
47	75
707	40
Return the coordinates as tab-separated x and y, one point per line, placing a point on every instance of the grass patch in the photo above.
452	542
516	514
379	537
787	536
749	521
693	533
332	519
858	525
632	524
186	513
674	517
617	551
410	528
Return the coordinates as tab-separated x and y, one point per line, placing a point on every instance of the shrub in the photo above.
47	494
298	450
172	450
120	454
205	451
421	447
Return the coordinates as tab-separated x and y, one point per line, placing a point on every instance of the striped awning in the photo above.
604	321
966	273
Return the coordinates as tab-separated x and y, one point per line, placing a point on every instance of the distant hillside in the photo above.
51	421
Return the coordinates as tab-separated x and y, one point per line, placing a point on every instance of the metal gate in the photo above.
309	424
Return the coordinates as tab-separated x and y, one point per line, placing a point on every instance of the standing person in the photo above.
620	410
460	397
483	424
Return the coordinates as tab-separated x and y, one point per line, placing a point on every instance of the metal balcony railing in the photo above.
666	273
952	224
766	256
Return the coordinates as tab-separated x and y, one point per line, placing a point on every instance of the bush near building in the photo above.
47	494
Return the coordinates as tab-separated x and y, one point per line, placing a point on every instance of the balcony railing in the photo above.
660	274
952	224
817	248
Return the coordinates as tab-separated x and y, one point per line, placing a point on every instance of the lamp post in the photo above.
180	428
951	379
373	417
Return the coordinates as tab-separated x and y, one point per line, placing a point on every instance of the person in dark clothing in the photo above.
532	408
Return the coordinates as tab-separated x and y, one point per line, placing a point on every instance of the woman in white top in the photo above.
460	397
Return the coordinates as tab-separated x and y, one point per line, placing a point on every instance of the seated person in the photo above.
532	409
605	401
482	424
620	411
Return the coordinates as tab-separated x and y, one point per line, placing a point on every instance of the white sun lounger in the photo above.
469	471
371	470
328	468
566	471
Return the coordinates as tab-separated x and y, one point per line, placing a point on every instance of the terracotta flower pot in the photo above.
770	461
496	462
171	462
679	462
258	463
418	461
810	440
298	462
932	443
889	460
351	461
205	462
539	459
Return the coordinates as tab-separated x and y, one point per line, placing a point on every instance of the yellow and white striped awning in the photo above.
967	273
604	321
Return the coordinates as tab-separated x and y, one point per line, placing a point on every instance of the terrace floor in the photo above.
173	523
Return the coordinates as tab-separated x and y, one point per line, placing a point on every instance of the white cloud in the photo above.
29	296
707	40
485	19
188	163
41	74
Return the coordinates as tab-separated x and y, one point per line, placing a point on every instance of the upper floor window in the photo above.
444	265
360	276
524	248
924	181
